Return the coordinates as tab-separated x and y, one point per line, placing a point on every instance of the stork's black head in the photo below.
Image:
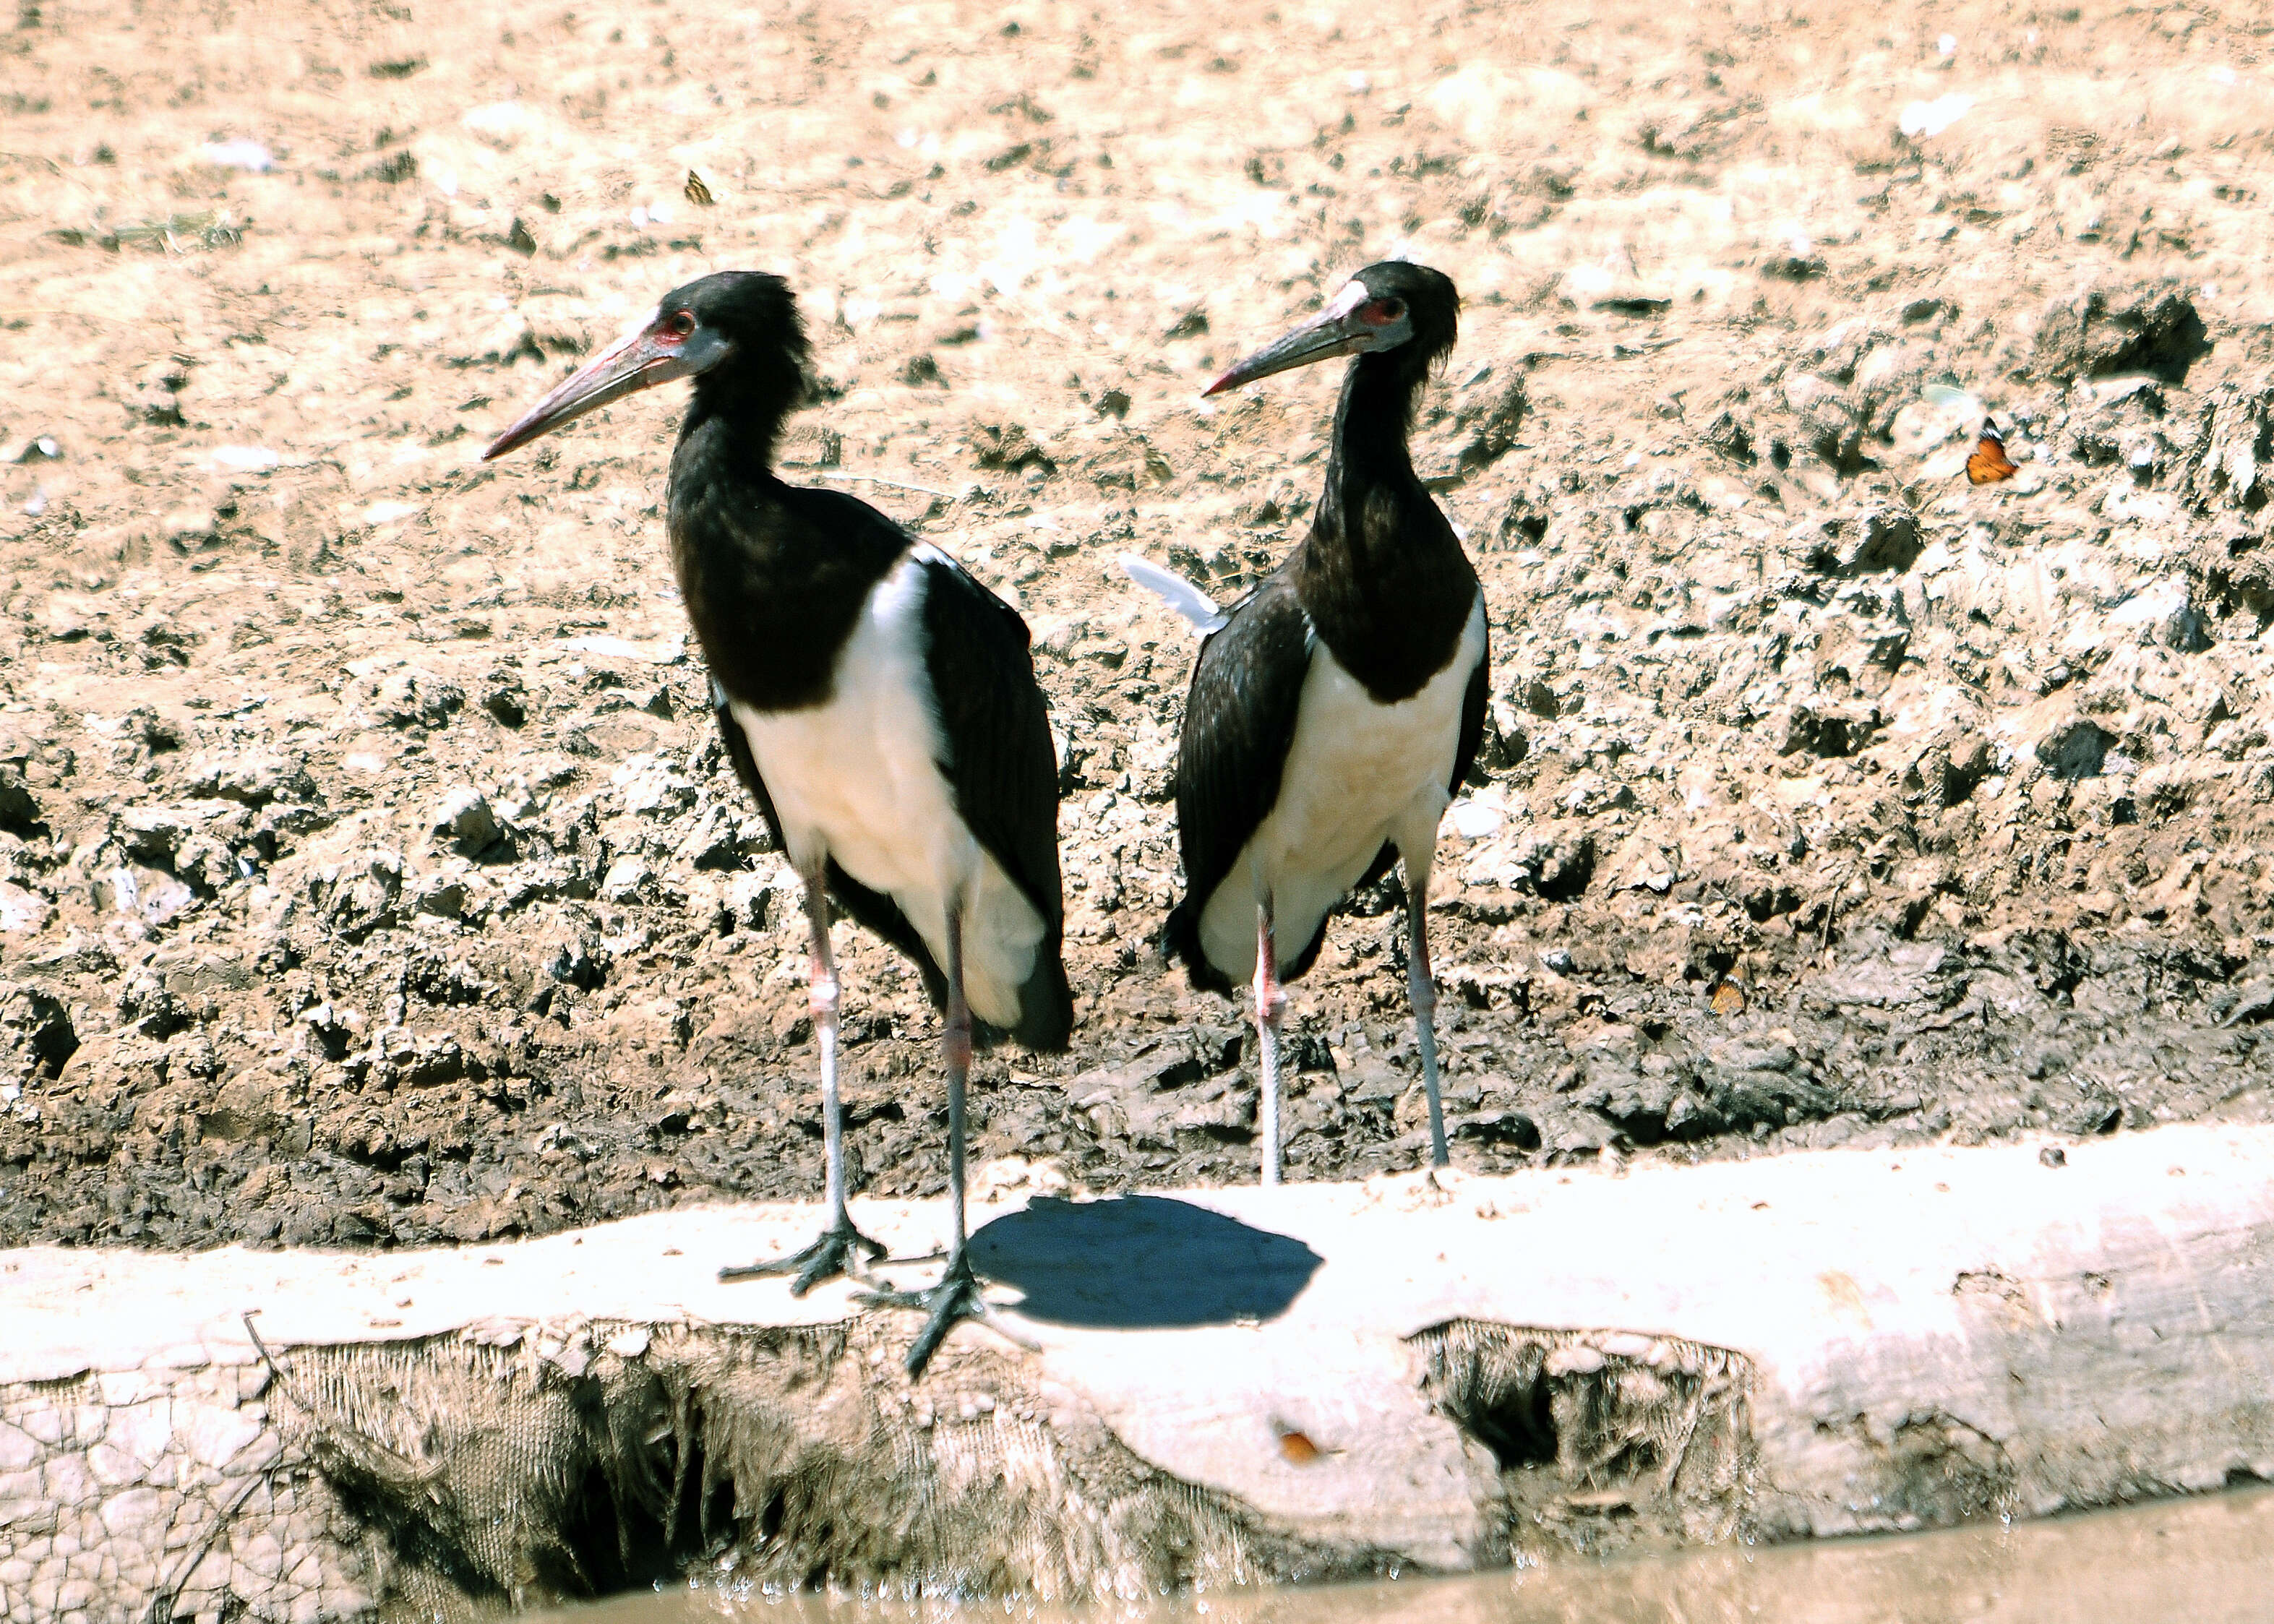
737	333
1408	314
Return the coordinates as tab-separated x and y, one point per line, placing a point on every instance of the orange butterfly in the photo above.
1990	464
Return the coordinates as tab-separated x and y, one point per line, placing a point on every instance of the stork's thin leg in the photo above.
1421	986
839	1249
957	1296
1270	1010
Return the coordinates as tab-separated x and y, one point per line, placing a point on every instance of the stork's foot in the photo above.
956	1297
840	1250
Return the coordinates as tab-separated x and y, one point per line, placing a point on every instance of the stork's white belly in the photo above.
1359	774
857	780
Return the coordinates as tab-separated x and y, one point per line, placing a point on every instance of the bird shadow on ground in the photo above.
1140	1262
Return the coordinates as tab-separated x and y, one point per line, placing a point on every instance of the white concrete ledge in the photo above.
1350	1376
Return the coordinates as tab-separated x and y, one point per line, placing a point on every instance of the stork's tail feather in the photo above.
1046	1006
1180	940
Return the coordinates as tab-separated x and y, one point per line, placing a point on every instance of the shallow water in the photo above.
2208	1560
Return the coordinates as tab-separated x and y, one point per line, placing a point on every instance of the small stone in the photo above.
628	880
2053	1156
463	815
750	900
1008	1177
2076	749
653	787
2104	331
65	622
442	895
159	406
252	777
192	527
2256	1003
1574	1359
504	697
410	698
495	1333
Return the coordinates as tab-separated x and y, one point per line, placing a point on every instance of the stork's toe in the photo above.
841	1249
955	1298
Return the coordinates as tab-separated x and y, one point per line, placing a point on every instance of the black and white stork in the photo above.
1335	710
879	703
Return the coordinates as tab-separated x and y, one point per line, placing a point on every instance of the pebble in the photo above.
463	815
1574	1359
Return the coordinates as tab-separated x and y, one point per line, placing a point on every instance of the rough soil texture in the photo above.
369	872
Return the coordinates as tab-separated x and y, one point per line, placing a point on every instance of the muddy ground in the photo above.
369	872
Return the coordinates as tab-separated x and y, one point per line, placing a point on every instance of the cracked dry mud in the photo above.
370	875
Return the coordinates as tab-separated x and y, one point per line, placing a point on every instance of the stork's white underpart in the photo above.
858	779
1360	773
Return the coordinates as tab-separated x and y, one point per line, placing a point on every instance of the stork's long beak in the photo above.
639	360
1334	331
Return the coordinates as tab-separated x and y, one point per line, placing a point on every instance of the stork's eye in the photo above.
1381	312
681	325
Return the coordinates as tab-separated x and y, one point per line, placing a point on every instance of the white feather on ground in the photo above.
1173	590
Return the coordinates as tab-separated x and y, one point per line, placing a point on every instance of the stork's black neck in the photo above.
774	576
1372	420
1382	575
748	405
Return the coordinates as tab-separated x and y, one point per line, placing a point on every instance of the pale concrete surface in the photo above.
2041	1336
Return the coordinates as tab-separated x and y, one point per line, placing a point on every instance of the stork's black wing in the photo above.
870	908
996	726
1239	723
